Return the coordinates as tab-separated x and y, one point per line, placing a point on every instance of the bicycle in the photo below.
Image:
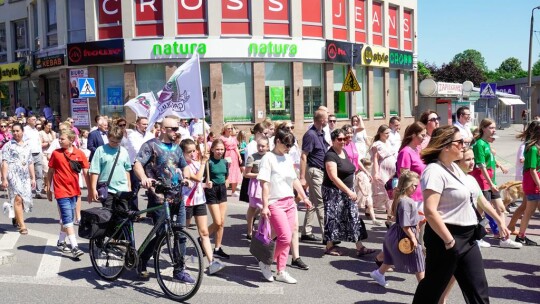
174	249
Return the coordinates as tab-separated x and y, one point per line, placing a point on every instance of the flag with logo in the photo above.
182	94
142	103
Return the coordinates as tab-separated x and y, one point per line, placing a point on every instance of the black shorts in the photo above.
197	210
490	195
216	195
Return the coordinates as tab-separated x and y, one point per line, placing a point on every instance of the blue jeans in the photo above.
66	205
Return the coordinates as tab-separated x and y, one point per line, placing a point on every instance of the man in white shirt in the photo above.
31	137
196	127
183	129
463	116
134	143
395	137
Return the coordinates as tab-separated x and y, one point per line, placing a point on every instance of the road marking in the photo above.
50	261
9	240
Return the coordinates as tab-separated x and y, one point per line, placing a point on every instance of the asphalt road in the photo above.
40	274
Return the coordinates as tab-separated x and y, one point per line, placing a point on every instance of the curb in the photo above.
7	258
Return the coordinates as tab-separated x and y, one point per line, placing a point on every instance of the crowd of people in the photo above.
435	184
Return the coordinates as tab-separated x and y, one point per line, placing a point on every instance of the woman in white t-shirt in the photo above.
451	221
278	178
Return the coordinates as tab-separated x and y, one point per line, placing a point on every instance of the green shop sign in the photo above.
277	98
401	60
271	48
176	48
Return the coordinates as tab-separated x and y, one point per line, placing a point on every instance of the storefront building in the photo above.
251	52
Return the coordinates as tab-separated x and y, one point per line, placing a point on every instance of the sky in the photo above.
498	29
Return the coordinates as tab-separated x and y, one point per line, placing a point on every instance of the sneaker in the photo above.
76	252
525	241
235	194
508	243
62	246
266	271
378	277
183	277
220	253
286	278
142	272
215	266
298	263
310	238
483	244
376	223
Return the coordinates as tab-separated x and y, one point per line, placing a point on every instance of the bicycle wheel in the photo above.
109	261
170	262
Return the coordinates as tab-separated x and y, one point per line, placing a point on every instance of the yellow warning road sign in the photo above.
350	84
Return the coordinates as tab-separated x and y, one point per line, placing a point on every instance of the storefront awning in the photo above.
511	101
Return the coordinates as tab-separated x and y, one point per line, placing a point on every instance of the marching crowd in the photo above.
437	185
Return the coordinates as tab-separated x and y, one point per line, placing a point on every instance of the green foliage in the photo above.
459	72
472	55
423	71
536	68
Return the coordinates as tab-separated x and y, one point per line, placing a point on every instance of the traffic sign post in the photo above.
350	84
87	87
487	90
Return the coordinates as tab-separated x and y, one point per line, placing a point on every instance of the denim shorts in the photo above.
533	197
66	206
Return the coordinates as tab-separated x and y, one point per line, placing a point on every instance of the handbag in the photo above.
75	165
405	246
480	228
103	188
262	246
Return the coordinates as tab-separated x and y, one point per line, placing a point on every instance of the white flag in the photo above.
142	103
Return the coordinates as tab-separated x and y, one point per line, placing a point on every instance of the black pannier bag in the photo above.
94	222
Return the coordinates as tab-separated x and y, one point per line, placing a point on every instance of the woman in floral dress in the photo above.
384	167
18	175
232	155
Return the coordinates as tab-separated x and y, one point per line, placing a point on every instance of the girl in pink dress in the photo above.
232	155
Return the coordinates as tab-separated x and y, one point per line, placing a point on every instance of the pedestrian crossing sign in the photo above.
350	84
487	90
87	87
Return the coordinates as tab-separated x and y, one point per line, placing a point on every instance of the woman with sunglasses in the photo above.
342	220
232	156
431	120
122	124
5	133
451	221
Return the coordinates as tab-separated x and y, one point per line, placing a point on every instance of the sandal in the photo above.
364	251
23	231
334	251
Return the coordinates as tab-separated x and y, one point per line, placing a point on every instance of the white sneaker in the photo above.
378	277
286	278
376	223
235	194
508	243
215	266
266	271
483	244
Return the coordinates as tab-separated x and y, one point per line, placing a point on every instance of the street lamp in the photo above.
529	78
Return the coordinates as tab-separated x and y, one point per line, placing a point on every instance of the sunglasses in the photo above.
290	128
3	126
121	125
434	119
332	120
174	129
341	139
460	142
289	146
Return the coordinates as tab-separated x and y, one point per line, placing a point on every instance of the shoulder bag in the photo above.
103	188
75	165
480	230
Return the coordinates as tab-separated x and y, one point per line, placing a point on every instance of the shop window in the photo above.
361	97
111	90
52	36
408	98
237	92
76	21
341	99
150	78
393	93
378	93
3	43
313	88
21	48
205	80
277	86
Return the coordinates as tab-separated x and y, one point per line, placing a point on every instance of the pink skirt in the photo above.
255	193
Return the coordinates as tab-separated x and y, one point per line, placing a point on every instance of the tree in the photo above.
510	66
472	55
536	68
423	71
460	72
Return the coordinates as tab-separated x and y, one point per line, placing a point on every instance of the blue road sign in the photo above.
487	90
87	87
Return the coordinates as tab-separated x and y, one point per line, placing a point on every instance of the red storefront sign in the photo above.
148	18
377	23
276	17
360	20
109	19
235	17
312	18
408	30
191	17
393	32
339	19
